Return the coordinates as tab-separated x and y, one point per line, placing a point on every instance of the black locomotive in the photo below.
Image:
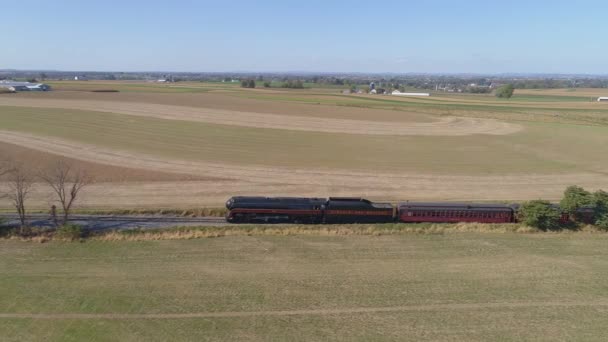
243	209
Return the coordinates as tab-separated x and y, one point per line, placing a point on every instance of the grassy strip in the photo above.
181	233
186	233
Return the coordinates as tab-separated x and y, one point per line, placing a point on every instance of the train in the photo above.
258	209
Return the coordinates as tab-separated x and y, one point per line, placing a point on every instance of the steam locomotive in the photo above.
245	209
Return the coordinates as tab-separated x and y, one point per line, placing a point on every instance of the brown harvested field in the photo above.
35	159
279	181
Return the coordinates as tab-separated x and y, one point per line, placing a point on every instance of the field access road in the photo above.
118	222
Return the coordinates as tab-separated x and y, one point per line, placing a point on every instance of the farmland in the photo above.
461	286
195	144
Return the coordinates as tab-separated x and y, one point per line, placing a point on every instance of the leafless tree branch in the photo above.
66	183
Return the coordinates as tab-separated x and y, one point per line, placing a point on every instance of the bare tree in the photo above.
66	182
20	182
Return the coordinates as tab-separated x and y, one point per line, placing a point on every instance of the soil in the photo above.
33	159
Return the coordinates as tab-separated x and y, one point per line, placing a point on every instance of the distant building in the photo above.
81	78
380	91
24	86
602	99
38	87
398	93
16	88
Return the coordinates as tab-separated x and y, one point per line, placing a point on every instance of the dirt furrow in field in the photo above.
443	126
317	312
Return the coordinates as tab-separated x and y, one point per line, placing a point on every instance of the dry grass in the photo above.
464	287
307	230
187	233
190	232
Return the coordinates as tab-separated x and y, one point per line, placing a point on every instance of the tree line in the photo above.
293	84
250	83
580	206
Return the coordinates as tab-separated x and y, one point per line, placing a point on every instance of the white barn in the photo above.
398	93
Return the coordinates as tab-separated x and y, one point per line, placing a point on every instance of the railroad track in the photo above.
105	222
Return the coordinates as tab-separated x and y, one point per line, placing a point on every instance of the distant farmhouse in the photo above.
602	99
24	86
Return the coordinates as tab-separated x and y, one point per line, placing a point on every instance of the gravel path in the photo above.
118	222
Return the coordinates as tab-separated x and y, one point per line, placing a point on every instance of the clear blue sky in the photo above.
537	36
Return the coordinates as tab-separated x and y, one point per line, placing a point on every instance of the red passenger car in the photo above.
455	212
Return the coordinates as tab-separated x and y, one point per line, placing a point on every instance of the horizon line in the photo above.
318	72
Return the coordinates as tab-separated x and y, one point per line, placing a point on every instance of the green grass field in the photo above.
539	148
463	286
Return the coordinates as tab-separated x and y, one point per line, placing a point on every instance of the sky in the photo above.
532	36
